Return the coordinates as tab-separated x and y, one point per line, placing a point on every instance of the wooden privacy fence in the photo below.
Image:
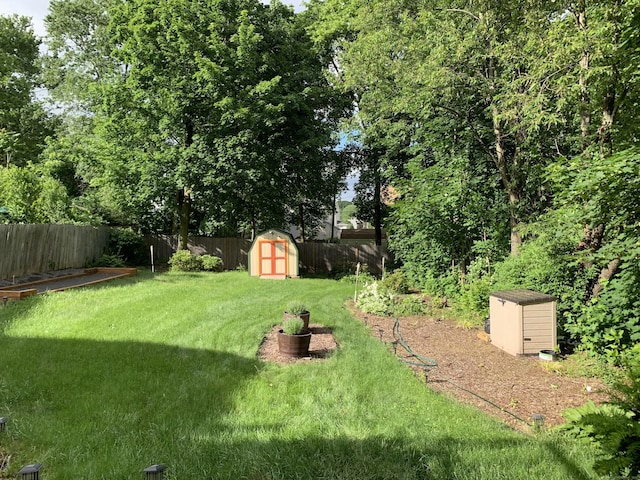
28	249
324	257
233	251
44	247
314	257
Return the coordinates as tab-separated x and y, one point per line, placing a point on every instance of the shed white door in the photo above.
273	257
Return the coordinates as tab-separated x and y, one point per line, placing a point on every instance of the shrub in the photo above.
211	263
293	326
375	299
111	261
363	277
128	245
610	324
411	305
613	427
346	271
185	261
396	282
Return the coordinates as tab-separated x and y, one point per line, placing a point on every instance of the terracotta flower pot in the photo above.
294	345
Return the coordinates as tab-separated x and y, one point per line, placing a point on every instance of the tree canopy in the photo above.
485	119
217	117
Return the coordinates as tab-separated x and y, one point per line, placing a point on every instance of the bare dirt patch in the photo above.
469	369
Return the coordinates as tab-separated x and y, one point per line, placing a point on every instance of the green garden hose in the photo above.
429	364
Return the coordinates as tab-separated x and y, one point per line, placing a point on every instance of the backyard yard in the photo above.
100	383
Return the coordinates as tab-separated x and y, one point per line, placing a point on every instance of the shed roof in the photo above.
523	296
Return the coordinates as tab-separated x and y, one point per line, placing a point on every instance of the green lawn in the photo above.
101	382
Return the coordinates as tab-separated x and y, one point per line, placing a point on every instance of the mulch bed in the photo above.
321	346
469	369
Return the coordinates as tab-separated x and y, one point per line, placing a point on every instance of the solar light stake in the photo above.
30	472
155	472
3	422
538	420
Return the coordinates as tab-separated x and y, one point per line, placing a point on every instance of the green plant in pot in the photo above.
294	338
297	309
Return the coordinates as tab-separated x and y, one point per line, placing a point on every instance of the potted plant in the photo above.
294	339
297	309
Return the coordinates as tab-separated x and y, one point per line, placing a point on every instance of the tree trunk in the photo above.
333	217
254	227
500	159
507	182
377	208
606	274
608	115
593	235
185	195
580	13
301	222
610	102
185	214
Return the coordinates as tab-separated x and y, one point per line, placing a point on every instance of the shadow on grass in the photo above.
79	405
376	457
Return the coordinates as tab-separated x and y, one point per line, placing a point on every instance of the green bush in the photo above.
185	261
347	270
211	263
128	245
296	307
396	282
472	300
411	305
376	300
363	277
614	427
610	324
111	261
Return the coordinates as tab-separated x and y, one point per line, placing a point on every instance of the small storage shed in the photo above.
523	322
273	254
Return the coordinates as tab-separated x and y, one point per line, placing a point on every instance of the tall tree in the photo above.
24	124
78	52
607	43
227	104
462	76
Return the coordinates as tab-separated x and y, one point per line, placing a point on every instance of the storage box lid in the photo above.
523	297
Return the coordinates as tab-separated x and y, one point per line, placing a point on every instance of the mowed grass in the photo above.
99	383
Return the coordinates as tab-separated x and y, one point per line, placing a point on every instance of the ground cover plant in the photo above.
99	383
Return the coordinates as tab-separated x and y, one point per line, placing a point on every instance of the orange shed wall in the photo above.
292	253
